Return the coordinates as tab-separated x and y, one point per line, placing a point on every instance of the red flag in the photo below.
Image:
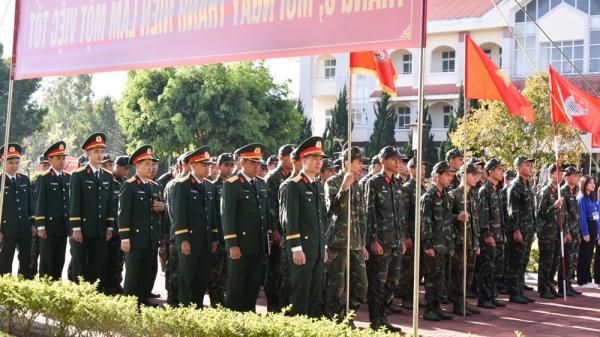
571	104
595	142
377	64
483	80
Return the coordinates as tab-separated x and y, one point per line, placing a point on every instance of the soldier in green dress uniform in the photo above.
43	165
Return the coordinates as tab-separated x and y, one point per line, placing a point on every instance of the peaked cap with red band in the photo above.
97	139
251	152
142	153
311	146
14	151
56	149
200	155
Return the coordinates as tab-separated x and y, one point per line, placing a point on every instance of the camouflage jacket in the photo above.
337	207
274	179
507	220
363	182
548	221
491	212
454	183
457	202
521	207
168	195
218	184
436	221
385	211
410	205
571	207
282	214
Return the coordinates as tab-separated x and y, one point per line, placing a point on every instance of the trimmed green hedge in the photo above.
78	309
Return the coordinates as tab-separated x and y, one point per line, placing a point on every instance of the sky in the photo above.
112	83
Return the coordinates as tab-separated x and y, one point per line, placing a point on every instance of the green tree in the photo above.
447	145
103	118
224	106
429	152
306	128
336	129
384	127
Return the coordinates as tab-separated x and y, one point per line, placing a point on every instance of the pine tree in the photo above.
336	130
429	152
306	127
385	123
447	145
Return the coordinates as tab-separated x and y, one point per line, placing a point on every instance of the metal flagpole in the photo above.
349	149
560	218
464	182
419	177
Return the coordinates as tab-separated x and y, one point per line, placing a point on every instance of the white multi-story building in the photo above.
573	24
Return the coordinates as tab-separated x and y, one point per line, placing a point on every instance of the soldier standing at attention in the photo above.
404	173
218	265
569	192
245	218
464	216
521	227
52	218
196	233
492	236
387	230
327	171
508	177
18	215
274	179
374	168
455	159
336	192
436	227
548	232
91	212
305	214
139	204
43	165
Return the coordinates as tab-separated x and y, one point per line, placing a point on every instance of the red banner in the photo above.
61	37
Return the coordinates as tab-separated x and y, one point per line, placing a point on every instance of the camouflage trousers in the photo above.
383	272
285	291
218	276
115	258
273	278
335	303
457	262
571	255
172	272
491	268
163	253
407	272
515	268
548	264
435	274
35	254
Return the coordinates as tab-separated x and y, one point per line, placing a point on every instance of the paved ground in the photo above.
579	316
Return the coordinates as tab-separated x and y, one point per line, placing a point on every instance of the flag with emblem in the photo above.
376	64
483	80
573	106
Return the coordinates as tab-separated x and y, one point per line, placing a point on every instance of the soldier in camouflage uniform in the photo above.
374	168
473	291
508	177
336	192
464	216
550	210
455	159
492	236
43	165
274	180
569	192
437	239
521	227
218	266
406	286
163	233
387	229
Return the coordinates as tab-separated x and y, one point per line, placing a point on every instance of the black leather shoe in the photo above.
431	316
526	287
554	292
395	309
458	310
153	295
389	326
375	325
498	303
547	295
518	299
486	305
473	310
571	289
529	299
441	314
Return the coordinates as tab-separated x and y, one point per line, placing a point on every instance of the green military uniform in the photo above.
503	285
338	241
195	221
18	218
491	225
52	215
386	224
470	242
574	225
521	212
245	219
91	211
305	214
35	240
437	234
138	225
115	257
451	155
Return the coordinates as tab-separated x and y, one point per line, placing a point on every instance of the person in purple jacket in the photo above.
588	212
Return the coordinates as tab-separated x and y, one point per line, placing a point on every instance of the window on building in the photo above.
500	57
525	32
330	69
327	116
407	64
448	61
447	110
403	117
360	100
594	55
539	8
488	52
572	49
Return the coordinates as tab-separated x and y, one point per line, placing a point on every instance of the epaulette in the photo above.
107	171
67	173
233	179
297	178
132	179
153	182
45	172
184	179
261	178
80	169
208	181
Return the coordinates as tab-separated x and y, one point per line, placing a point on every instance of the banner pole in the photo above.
349	149
464	182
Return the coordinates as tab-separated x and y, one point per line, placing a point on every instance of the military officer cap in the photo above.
328	164
552	168
375	160
571	170
413	162
95	140
142	153
252	152
123	161
391	152
82	160
43	159
356	153
453	154
493	163
510	174
183	157
312	146
471	168
521	159
476	161
286	149
107	158
14	151
273	159
225	158
366	161
56	149
295	155
155	158
441	167
200	155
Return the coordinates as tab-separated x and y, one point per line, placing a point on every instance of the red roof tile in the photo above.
429	90
457	9
576	80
